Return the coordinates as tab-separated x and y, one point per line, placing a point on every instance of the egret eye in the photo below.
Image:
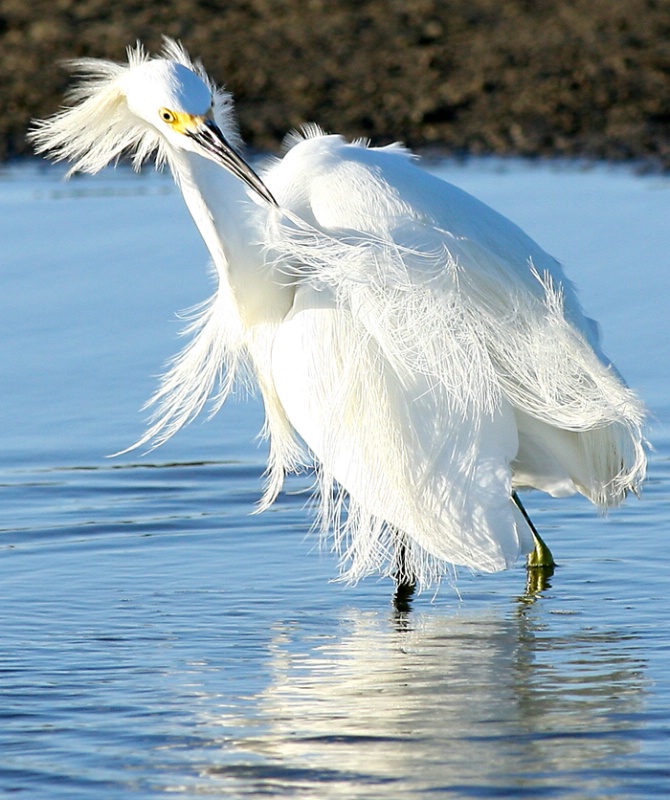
166	115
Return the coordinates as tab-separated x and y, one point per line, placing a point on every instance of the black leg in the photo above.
405	582
540	565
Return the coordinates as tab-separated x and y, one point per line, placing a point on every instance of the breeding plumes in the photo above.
417	348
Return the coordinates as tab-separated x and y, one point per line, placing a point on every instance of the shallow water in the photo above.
157	638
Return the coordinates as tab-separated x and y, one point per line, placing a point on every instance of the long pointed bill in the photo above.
213	142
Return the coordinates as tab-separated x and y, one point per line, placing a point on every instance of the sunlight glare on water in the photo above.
155	637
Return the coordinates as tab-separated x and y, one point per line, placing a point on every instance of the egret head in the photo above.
158	106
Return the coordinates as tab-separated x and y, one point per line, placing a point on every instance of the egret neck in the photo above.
231	223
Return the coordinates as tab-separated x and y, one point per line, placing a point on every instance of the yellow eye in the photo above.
166	115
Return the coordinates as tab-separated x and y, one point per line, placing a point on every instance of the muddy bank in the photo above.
565	77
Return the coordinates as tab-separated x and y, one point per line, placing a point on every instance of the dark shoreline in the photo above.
569	78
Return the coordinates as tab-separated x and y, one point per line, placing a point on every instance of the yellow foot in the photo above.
541	557
540	564
540	567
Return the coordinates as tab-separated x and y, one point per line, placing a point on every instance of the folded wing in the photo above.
435	358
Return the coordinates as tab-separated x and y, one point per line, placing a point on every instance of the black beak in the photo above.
213	142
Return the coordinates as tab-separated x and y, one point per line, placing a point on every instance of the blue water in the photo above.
156	638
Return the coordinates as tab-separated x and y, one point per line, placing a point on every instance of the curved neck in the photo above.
231	224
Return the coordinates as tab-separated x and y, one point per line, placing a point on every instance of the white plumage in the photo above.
425	353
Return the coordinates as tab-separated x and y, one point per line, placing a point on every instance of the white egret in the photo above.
417	347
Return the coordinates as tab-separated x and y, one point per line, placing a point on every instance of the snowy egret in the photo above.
418	348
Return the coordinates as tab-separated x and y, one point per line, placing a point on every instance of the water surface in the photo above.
156	638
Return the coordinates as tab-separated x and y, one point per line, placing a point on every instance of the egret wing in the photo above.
419	472
453	292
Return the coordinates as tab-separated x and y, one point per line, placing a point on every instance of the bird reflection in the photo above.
445	700
538	580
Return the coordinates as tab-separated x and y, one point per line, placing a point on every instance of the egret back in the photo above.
454	298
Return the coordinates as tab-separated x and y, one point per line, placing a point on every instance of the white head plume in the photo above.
106	122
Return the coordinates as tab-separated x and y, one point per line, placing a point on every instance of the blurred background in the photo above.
586	78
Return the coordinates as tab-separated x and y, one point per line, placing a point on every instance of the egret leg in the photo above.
402	597
541	557
405	585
